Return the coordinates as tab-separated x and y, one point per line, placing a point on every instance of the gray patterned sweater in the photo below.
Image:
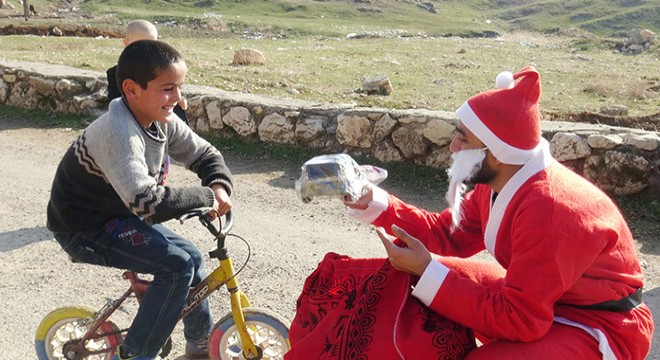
116	168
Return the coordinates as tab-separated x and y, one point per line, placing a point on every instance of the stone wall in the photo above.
621	161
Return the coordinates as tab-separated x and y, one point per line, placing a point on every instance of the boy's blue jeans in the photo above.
175	263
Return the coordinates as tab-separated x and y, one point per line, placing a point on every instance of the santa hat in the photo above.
507	119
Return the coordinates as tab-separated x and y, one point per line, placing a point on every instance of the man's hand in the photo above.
413	258
222	203
364	200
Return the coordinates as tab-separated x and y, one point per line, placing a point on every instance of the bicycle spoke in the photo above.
74	329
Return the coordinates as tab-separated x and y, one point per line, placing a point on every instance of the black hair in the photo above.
142	61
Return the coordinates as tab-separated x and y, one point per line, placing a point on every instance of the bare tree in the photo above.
26	9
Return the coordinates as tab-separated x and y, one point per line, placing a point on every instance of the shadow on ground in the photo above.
16	239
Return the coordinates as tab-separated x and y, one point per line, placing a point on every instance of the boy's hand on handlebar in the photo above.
222	203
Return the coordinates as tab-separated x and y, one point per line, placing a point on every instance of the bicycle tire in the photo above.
57	327
268	330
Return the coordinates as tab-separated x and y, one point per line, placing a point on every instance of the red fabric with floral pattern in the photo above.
362	309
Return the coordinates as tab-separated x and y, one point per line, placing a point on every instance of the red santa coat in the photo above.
562	242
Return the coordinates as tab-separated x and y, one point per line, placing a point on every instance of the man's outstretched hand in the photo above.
408	254
364	200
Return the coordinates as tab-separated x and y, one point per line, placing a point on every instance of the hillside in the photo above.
608	18
438	17
601	17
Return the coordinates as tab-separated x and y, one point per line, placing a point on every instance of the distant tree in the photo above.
26	9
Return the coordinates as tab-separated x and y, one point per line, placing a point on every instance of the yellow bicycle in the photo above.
77	332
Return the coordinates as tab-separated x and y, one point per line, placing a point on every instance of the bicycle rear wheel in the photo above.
70	323
268	330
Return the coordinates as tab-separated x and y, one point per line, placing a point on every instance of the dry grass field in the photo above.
311	56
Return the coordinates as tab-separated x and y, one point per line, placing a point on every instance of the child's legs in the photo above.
561	342
197	325
133	245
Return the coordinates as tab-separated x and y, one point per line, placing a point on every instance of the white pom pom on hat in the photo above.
504	80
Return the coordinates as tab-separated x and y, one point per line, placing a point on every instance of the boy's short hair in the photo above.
142	61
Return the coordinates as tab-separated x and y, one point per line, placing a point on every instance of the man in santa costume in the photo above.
567	283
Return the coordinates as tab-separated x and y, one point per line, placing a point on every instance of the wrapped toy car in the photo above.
336	176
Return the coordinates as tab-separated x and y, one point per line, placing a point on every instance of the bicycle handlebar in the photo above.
206	217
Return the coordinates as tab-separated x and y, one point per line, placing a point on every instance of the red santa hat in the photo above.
507	119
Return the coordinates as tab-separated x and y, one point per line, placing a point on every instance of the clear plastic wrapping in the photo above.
336	176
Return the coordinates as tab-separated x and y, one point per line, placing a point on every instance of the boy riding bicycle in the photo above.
109	197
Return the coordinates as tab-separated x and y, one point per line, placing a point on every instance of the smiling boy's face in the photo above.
157	101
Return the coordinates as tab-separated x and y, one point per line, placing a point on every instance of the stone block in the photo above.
566	146
277	128
240	119
439	132
355	131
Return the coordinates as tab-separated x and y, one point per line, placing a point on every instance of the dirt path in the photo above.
288	239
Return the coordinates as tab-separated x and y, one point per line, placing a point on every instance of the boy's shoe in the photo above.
197	349
118	356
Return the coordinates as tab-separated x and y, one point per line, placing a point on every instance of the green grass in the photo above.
429	73
643	216
338	17
310	58
333	18
298	18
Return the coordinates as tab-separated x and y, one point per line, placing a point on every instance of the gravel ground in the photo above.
288	239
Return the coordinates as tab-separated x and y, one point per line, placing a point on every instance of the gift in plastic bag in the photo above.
336	176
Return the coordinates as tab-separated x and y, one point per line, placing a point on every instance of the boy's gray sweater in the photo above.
118	169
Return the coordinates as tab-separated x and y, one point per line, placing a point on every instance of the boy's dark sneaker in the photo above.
118	356
197	349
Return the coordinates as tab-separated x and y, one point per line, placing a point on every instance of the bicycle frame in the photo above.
224	274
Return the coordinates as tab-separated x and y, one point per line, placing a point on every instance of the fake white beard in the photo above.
465	165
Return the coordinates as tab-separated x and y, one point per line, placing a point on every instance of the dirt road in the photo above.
287	237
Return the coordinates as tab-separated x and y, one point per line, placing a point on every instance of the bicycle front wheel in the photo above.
268	330
68	324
